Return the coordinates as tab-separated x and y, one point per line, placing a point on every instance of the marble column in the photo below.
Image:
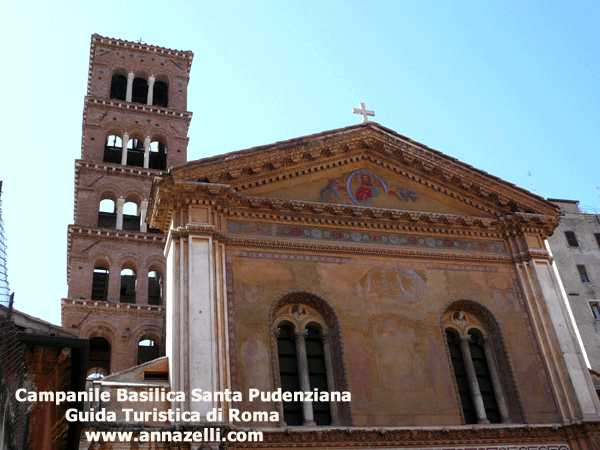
147	152
120	204
304	377
143	212
129	94
498	391
472	378
151	81
124	152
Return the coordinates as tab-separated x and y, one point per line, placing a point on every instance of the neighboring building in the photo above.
55	360
135	125
575	246
36	356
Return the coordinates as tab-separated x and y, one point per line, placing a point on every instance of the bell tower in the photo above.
135	125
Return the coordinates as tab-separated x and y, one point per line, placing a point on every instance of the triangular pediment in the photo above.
366	184
364	165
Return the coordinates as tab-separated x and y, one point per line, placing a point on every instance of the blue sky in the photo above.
511	88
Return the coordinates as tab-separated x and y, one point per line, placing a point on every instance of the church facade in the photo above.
357	260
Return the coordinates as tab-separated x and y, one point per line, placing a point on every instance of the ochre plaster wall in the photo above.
390	316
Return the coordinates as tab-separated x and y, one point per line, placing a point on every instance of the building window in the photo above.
107	214
571	239
158	155
100	283
597	236
131	216
583	273
128	283
308	356
148	349
99	359
161	94
474	362
155	288
595	310
288	373
113	149
139	91
118	87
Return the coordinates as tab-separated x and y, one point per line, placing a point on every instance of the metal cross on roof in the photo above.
363	112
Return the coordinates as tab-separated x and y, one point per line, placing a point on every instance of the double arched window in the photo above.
481	371
308	357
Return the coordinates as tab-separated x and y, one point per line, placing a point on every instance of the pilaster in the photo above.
196	314
554	325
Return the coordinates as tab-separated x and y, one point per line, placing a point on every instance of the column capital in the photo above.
120	202
131	75
302	333
465	339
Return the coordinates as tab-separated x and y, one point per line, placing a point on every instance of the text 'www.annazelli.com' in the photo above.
204	435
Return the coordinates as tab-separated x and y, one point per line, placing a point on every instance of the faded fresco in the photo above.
390	315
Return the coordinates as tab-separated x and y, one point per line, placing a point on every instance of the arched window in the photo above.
160	96
99	358
309	357
100	283
288	373
135	152
107	214
479	365
155	287
128	284
139	93
113	147
158	155
118	87
148	349
131	216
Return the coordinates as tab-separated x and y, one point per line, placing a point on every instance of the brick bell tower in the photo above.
135	125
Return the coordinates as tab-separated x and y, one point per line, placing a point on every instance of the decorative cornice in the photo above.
169	194
108	234
488	437
151	50
97	40
371	142
122	105
118	170
112	308
131	108
266	244
111	234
